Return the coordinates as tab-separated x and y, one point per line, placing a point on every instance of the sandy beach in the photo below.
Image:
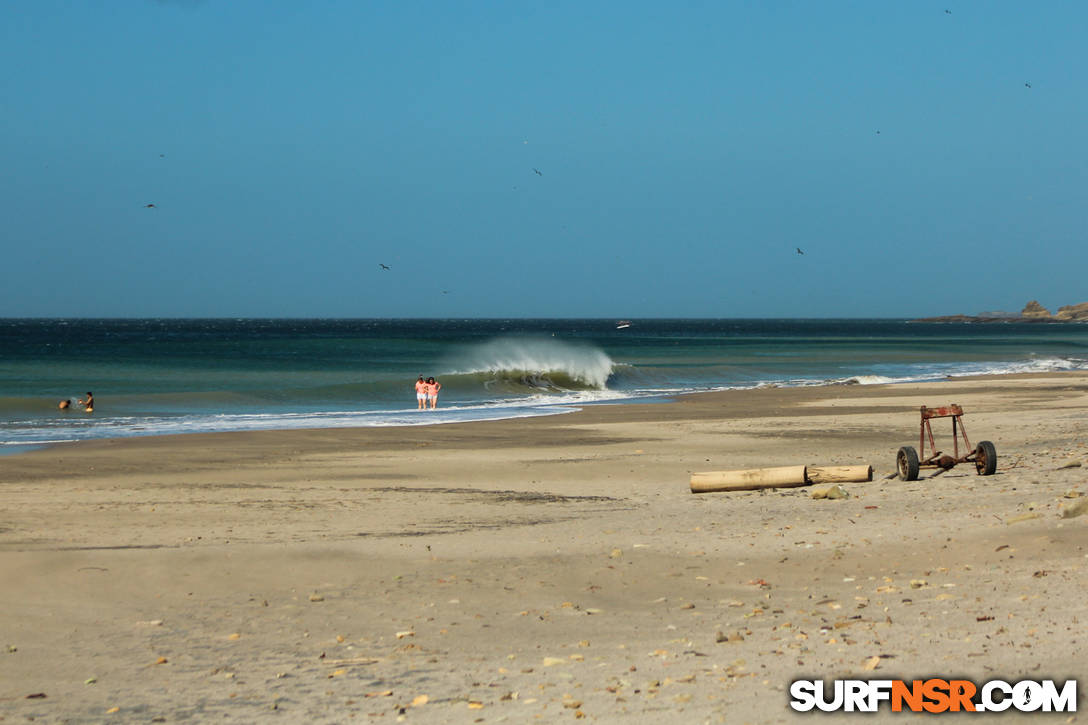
546	569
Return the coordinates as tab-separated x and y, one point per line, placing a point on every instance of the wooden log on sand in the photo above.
839	474
749	479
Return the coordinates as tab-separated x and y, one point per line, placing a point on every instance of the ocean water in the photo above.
169	376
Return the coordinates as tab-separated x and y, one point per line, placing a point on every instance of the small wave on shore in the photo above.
1031	365
940	371
530	365
28	434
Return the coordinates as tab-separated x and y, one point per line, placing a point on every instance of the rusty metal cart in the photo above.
984	456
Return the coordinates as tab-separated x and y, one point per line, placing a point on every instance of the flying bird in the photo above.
947	11
149	206
538	172
383	266
1028	85
799	251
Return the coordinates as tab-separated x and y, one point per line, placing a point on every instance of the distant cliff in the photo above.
1032	312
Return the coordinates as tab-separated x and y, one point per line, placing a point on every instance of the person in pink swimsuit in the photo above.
421	393
432	391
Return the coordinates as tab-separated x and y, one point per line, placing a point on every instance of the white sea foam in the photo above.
872	379
940	371
123	427
1034	365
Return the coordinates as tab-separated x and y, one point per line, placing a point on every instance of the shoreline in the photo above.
510	569
519	412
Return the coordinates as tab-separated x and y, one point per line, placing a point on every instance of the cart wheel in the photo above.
985	459
907	463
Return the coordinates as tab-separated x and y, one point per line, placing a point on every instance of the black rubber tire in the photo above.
985	459
907	463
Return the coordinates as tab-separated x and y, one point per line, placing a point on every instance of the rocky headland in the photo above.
1032	312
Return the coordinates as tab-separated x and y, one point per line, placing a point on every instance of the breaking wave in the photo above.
511	365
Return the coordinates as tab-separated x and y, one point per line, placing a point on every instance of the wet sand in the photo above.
547	569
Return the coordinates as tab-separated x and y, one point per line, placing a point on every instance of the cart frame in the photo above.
908	463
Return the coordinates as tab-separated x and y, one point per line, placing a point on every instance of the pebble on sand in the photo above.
832	493
1078	509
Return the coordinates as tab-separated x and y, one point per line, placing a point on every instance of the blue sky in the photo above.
685	151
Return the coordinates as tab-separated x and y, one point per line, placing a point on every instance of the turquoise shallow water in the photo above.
175	376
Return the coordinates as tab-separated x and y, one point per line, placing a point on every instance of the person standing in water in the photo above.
432	391
421	393
88	404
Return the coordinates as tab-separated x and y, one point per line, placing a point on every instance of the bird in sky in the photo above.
1028	85
149	206
799	251
384	266
947	11
538	172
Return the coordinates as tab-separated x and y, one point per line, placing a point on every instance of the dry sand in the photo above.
543	570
